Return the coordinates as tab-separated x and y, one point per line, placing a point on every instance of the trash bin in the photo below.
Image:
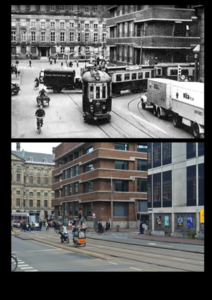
117	227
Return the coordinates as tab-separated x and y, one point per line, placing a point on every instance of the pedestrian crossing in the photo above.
25	267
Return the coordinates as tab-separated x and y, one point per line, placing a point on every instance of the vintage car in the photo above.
14	88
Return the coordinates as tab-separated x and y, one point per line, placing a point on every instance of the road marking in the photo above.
135	269
26	268
24	265
32	270
148	122
112	263
151	244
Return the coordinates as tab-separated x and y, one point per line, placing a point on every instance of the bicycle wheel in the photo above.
14	263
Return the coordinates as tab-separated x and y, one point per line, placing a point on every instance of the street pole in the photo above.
111	202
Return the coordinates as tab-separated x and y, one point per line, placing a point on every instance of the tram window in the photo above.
91	92
134	76
97	92
118	77
158	72
146	74
127	76
140	75
184	72
104	91
173	72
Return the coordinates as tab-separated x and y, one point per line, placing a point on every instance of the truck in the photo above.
183	101
58	79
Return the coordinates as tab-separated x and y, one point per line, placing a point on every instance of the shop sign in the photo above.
190	221
202	216
180	221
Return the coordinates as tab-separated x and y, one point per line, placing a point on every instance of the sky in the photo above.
36	147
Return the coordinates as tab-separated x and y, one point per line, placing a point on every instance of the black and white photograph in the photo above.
107	71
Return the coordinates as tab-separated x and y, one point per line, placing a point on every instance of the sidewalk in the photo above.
15	79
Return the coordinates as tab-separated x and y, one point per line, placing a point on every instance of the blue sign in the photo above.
166	220
190	221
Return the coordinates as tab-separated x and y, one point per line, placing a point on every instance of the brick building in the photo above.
82	180
46	29
147	34
176	188
31	182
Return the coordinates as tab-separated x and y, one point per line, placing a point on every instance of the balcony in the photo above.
154	13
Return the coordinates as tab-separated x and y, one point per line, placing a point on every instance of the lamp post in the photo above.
196	52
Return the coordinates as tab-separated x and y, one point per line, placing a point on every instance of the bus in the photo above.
31	216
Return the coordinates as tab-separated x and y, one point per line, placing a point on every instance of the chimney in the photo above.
18	146
53	150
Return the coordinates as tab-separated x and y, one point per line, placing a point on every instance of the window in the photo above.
30	179
167	189
127	76
38	203
78	37
76	170
52	7
30	203
157	190
89	209
71	7
95	26
18	169
87	25
86	8
122	165
121	146
33	36
38	194
18	192
71	24
191	150
142	164
62	39
89	167
52	36
201	182
13	36
88	150
142	206
43	36
142	148
167	153
149	155
149	190
18	177
201	149
61	7
134	76
65	174
146	74
95	8
70	209
120	209
70	172
121	185
45	194
95	37
90	186
70	189
142	185
46	180
103	26
23	36
76	207
45	203
65	191
118	77
76	188
62	25
18	202
52	25
42	25
71	39
31	194
156	154
87	37
191	186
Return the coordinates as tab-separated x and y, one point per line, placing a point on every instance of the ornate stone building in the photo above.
31	182
46	29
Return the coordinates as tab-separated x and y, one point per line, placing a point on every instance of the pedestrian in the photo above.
55	60
61	64
77	63
74	222
21	226
82	220
141	227
30	64
30	56
84	227
24	226
16	72
40	224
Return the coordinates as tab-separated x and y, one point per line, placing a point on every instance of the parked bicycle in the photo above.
14	262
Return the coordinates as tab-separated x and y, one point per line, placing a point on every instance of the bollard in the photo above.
15	230
117	227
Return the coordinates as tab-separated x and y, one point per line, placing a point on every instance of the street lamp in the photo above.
196	53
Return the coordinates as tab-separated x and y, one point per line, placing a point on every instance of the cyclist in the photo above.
40	114
36	82
107	226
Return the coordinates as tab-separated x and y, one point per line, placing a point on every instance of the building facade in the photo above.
48	29
150	34
31	182
105	179
176	189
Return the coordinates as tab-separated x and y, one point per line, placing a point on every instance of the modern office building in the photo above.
150	34
108	180
44	30
176	189
31	182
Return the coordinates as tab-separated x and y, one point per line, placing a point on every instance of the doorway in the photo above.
44	51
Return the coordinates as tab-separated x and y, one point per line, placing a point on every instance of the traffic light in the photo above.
138	216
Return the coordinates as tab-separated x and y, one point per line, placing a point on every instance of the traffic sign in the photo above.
93	215
202	216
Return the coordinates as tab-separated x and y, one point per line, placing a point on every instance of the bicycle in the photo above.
107	231
14	262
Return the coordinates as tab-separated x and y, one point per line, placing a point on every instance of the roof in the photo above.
34	157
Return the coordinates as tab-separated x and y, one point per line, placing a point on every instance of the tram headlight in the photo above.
103	106
91	107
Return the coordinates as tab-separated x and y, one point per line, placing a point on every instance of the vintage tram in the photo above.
133	78
96	95
170	71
